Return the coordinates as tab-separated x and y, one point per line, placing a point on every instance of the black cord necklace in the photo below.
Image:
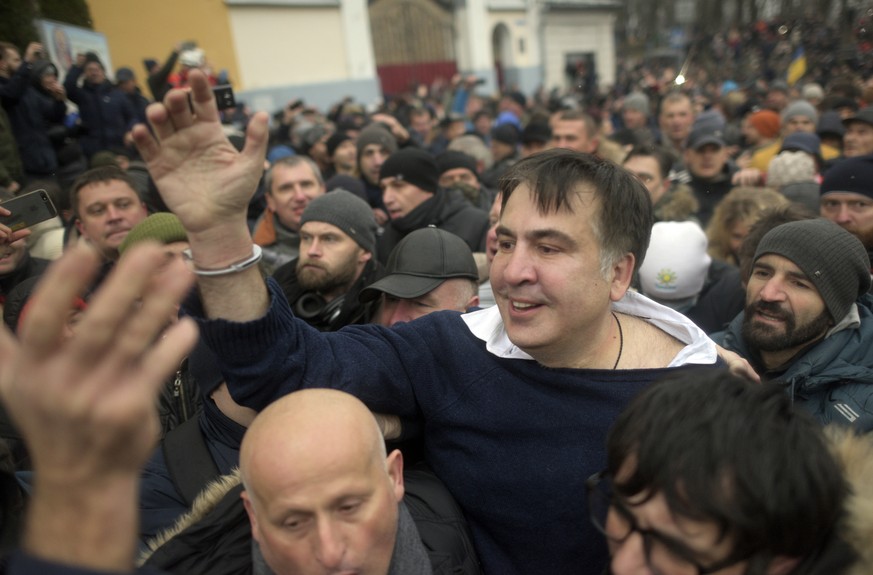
620	340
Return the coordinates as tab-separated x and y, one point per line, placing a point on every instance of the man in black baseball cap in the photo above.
858	139
429	270
808	322
847	197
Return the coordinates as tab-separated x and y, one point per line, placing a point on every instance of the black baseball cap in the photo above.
422	261
864	115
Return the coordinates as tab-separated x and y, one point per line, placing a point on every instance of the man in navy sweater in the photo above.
515	400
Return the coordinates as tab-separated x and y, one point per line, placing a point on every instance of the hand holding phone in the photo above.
27	210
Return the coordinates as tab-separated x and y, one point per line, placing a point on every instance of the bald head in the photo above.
321	493
309	423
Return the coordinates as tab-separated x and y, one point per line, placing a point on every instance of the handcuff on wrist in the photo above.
233	268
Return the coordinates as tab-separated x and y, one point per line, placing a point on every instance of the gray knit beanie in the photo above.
833	259
799	108
637	101
346	211
375	134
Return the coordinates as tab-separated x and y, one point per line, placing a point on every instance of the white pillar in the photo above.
359	44
479	36
535	33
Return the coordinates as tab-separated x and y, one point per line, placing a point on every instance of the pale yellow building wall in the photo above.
279	46
137	29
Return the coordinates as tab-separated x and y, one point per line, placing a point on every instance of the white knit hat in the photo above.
676	264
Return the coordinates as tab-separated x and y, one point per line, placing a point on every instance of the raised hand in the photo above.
86	405
199	174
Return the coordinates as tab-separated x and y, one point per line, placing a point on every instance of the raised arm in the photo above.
85	405
208	185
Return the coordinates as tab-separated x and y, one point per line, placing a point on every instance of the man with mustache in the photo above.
808	323
337	247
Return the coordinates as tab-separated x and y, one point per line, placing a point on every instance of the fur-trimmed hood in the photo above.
677	205
854	453
206	501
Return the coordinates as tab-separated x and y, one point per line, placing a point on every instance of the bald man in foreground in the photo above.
321	493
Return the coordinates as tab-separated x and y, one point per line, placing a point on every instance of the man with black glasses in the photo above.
708	473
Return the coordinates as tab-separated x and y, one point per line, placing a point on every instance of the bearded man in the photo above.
336	261
808	323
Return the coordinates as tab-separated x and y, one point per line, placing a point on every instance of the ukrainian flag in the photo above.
797	68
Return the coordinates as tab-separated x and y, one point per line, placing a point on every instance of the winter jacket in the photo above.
106	112
447	210
32	115
834	378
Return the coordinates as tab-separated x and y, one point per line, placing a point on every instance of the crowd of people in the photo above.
457	334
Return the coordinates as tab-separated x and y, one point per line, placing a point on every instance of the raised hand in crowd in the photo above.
85	406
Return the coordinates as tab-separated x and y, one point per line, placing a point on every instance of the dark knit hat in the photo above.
346	211
506	133
452	159
853	175
348	183
124	75
376	134
414	166
162	227
93	57
536	132
517	97
833	259
334	142
830	123
422	261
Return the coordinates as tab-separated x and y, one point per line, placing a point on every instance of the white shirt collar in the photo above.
487	325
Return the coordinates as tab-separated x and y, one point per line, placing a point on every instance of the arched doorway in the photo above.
501	44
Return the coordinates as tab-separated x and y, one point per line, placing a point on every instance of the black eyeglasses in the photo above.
664	556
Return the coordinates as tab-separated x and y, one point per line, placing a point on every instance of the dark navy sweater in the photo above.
513	441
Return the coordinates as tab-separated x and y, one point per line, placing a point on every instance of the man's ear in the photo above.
473	302
250	511
365	256
271	202
80	229
622	274
394	464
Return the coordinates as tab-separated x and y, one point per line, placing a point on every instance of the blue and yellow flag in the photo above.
797	68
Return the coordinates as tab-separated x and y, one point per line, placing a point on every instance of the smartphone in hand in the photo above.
28	210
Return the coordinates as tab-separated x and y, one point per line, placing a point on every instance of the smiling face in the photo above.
14	254
547	277
107	212
784	311
293	187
